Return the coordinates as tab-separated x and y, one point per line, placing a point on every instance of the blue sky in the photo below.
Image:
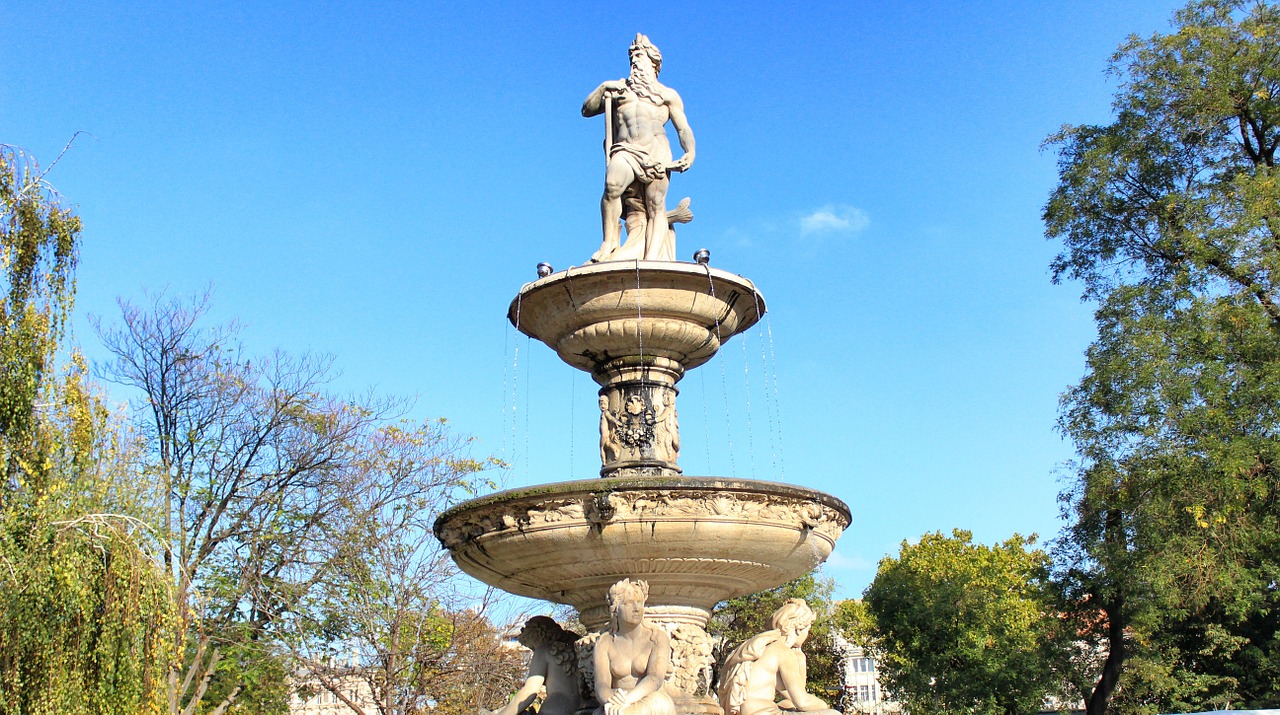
377	180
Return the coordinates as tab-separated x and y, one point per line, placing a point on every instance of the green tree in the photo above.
38	248
965	628
853	624
852	619
83	603
1169	563
1170	217
740	618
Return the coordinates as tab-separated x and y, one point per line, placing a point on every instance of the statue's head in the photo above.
642	45
794	619
623	597
634	405
539	630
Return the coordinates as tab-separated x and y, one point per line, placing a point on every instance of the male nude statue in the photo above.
771	665
640	161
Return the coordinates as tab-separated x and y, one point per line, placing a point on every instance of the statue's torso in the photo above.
562	693
766	682
642	123
629	660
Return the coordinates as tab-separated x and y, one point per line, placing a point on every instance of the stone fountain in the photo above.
637	321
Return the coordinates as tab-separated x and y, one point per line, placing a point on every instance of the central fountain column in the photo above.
637	327
640	434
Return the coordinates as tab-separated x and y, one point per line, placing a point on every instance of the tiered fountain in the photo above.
637	324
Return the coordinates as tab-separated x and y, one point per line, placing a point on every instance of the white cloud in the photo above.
834	219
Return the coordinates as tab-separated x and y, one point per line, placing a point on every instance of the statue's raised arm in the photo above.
638	156
594	104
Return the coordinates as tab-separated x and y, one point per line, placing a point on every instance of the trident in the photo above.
608	125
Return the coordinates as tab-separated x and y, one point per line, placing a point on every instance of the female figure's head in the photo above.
794	619
537	631
626	602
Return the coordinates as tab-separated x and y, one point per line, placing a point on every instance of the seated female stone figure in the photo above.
554	665
632	660
771	665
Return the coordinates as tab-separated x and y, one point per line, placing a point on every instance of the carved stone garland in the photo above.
639	430
628	505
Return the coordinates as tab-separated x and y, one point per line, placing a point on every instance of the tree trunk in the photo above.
1101	697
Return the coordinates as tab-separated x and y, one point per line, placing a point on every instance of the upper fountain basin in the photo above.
626	309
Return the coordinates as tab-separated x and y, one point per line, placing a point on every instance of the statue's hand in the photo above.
617	703
681	164
614	87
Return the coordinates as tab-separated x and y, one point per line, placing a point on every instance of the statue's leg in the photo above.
617	177
657	230
633	216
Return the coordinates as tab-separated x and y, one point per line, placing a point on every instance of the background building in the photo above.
860	681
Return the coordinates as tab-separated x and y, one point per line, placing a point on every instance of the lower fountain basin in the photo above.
696	540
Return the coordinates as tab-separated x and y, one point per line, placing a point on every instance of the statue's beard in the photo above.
644	81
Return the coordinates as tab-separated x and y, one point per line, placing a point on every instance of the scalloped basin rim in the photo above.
683	267
644	268
628	484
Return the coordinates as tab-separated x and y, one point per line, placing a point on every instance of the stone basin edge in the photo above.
609	485
678	268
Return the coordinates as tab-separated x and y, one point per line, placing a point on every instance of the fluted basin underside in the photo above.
696	540
602	312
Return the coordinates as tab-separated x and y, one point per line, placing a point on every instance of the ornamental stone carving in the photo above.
585	648
644	504
637	320
692	659
635	424
767	672
639	429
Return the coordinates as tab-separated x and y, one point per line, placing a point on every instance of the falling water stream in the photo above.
573	389
746	377
768	383
724	382
769	407
528	360
777	402
515	387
